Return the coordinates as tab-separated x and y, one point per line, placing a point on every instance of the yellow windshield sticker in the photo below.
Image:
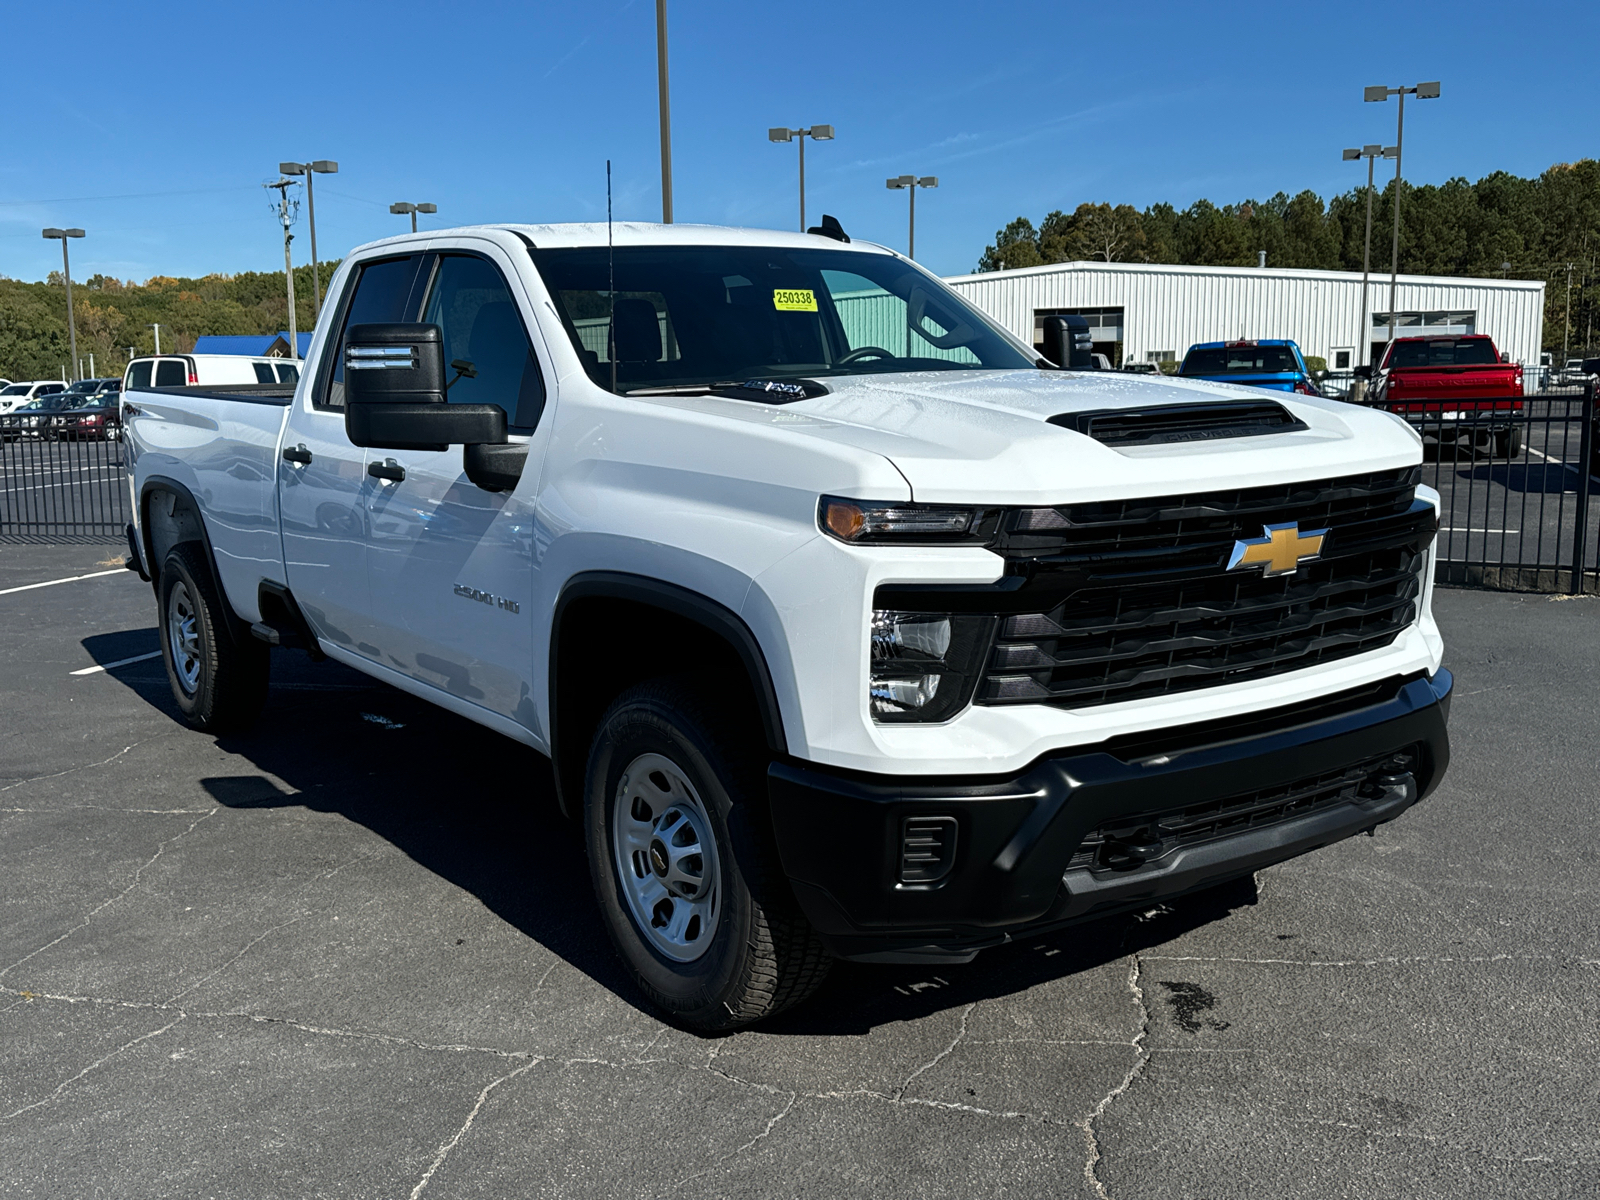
794	300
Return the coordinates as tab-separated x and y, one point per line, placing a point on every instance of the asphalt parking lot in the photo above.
355	954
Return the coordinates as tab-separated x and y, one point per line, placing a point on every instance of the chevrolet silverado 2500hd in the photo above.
851	626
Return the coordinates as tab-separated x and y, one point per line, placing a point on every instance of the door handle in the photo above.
387	469
297	454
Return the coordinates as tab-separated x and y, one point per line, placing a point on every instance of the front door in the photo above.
323	480
451	565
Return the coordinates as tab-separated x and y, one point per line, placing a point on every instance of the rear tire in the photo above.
1508	443
683	861
218	674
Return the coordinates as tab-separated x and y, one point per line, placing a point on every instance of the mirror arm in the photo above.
495	466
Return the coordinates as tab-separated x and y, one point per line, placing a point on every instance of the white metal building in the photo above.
1157	311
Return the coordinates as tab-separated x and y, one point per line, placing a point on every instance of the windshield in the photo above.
1239	360
695	315
1445	352
83	387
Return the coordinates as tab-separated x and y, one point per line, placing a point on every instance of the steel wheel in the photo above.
183	637
666	858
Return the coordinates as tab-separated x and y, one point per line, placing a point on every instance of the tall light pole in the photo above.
817	133
286	209
1371	154
66	273
911	183
402	208
666	113
321	167
1566	338
157	328
1377	95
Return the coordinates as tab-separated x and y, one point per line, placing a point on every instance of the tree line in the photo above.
113	316
1503	225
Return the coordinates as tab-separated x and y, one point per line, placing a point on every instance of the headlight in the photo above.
867	522
925	665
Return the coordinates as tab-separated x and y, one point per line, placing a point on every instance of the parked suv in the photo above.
1274	363
14	396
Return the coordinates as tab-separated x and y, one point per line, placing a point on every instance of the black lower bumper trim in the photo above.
840	834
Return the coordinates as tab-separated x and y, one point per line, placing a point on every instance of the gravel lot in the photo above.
356	954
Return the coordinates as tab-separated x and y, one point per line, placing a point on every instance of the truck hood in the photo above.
984	436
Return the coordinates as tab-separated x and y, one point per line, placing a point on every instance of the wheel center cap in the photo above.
658	858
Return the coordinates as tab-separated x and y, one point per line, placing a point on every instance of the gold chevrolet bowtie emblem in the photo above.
1280	551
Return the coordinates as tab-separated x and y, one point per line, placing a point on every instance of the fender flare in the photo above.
680	602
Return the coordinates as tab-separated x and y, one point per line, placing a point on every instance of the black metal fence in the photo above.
1518	490
60	484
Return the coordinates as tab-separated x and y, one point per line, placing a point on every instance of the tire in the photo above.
1508	443
683	861
218	677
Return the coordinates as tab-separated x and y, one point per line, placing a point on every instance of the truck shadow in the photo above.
479	811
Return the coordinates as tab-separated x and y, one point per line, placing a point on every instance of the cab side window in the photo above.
487	354
380	292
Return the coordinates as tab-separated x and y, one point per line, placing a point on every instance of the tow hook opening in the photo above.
1125	849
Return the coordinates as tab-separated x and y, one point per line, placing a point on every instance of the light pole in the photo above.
286	209
66	273
157	328
817	133
1377	95
321	167
402	208
1371	154
666	113
911	183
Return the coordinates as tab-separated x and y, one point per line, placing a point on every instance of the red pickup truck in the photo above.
1460	384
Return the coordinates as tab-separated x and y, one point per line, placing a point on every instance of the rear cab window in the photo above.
1240	360
171	372
1443	352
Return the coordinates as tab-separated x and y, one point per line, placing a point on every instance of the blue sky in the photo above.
153	125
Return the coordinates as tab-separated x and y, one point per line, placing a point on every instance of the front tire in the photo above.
218	678
683	862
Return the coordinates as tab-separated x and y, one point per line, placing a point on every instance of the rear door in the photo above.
451	565
322	477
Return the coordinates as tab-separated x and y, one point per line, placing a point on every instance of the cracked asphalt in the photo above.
355	954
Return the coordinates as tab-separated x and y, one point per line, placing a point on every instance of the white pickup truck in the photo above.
852	627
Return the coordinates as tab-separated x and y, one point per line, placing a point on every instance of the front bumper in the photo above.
1019	861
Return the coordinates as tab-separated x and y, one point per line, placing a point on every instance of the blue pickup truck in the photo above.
1268	362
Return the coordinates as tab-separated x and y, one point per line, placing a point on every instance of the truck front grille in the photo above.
1144	605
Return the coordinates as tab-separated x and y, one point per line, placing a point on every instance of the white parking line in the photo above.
28	587
1561	463
1456	529
121	662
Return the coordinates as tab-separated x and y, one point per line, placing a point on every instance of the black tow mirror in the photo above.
1068	343
394	389
1362	372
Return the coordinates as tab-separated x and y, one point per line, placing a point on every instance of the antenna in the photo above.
611	287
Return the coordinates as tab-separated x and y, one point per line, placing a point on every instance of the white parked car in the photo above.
207	370
852	626
15	394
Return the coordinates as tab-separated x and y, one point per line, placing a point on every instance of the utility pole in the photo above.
817	133
666	113
287	208
322	166
157	328
66	274
1371	154
1422	91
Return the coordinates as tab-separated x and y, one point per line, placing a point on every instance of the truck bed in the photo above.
221	445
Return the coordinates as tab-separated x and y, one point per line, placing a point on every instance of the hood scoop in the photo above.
771	391
1204	422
